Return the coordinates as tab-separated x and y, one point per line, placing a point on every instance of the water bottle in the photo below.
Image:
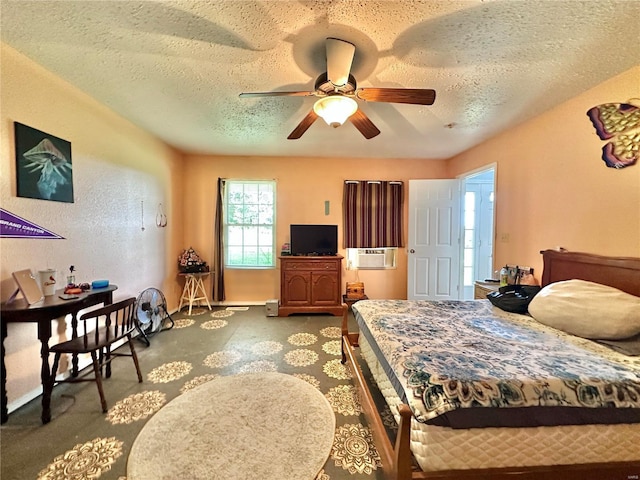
504	277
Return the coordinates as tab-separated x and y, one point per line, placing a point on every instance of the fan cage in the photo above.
152	315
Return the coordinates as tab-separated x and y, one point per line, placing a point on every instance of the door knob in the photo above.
412	251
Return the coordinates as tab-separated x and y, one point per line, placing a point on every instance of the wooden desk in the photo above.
42	313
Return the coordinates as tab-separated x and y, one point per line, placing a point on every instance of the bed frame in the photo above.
619	272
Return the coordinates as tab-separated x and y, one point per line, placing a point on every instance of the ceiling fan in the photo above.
337	91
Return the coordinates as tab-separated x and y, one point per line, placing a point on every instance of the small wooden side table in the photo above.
481	289
193	289
351	301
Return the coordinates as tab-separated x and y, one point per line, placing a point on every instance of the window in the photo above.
249	227
372	213
469	237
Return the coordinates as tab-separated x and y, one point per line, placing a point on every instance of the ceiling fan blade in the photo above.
303	126
415	96
339	58
277	94
364	124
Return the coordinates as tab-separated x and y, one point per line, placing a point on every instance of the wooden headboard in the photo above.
622	273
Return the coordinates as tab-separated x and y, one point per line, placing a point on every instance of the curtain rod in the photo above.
392	182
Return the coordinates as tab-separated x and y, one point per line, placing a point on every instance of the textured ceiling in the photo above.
175	68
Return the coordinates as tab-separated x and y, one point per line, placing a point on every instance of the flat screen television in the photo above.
314	239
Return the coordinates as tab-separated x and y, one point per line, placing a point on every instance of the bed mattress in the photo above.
443	448
468	364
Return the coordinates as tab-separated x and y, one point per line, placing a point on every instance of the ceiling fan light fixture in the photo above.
335	109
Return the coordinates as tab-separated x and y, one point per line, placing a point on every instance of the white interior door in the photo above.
434	240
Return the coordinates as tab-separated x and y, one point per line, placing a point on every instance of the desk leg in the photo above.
74	334
44	334
5	400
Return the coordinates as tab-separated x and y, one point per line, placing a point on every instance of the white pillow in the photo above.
587	309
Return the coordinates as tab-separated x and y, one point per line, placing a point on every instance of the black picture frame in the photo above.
44	169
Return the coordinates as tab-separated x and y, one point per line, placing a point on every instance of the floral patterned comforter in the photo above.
446	355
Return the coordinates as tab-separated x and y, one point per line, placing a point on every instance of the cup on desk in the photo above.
48	282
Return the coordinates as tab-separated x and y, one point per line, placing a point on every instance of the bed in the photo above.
525	428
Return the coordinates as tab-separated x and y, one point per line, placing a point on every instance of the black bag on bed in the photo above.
514	298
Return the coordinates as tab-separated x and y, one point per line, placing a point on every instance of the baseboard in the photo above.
27	397
227	303
232	303
24	399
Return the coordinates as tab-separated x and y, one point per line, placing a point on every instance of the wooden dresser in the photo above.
310	285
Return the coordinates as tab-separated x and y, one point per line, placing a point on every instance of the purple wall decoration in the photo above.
619	123
13	226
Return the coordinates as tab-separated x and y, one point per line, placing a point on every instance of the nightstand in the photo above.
351	301
481	289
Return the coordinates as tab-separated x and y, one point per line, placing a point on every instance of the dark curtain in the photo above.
372	214
218	255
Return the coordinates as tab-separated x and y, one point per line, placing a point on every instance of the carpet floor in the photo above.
83	443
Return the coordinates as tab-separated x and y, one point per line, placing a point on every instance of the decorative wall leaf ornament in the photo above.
619	123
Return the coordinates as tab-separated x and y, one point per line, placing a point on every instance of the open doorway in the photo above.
478	228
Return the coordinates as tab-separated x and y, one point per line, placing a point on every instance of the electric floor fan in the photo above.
151	314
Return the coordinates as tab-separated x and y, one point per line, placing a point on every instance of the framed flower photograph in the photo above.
43	165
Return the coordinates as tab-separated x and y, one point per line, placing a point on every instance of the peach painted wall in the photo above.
303	186
553	189
116	167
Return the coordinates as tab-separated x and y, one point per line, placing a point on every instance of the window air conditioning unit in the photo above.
371	258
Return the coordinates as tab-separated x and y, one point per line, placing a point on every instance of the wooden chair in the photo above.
102	328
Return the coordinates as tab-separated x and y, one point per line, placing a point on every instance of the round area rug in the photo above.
269	426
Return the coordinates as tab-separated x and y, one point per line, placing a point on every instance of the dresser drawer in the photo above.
313	265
